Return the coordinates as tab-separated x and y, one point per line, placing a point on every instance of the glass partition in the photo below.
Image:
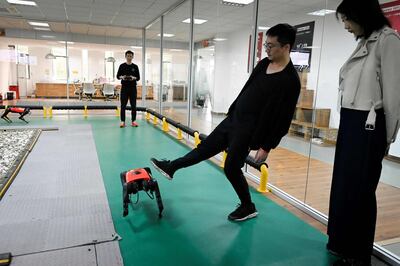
288	163
40	62
34	63
153	60
94	61
176	60
220	59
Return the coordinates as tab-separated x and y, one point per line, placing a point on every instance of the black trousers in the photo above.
128	93
356	173
226	136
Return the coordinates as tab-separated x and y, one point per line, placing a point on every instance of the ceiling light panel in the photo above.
322	12
196	21
168	35
243	2
236	3
48	36
68	42
41	29
21	2
38	24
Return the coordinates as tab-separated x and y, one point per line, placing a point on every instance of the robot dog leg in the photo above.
18	110
139	179
4	115
24	113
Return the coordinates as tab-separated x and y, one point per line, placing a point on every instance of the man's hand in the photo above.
261	155
122	77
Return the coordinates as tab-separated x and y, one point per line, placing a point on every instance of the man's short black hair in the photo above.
366	13
128	52
286	34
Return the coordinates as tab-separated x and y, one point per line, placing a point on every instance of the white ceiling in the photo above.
120	18
126	18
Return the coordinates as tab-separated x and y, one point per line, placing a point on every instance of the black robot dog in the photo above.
139	179
17	110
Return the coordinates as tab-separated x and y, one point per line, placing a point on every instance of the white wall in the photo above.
337	46
4	68
42	71
204	73
75	64
96	64
230	69
179	66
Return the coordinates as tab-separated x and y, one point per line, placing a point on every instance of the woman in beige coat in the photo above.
369	101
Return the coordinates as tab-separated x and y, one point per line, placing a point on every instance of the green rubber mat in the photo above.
194	229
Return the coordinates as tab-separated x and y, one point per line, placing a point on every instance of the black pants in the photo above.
128	93
224	137
356	173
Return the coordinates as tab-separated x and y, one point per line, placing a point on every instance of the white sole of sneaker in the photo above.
161	171
252	215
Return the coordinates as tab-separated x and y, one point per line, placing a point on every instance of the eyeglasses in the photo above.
271	45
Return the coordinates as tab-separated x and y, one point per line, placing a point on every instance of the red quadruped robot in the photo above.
18	110
140	179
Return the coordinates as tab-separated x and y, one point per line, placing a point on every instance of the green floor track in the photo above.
194	229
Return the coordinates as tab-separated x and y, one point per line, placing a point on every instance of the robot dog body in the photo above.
139	179
18	110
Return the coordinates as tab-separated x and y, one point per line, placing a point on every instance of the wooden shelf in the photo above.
306	130
308	124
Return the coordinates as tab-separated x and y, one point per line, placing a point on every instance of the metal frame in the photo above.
144	88
254	34
160	92
191	80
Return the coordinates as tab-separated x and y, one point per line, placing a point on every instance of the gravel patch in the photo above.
14	144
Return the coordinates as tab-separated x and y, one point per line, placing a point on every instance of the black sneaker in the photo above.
337	254
164	167
352	262
243	212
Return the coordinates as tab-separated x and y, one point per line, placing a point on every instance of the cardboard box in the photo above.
304	115
306	98
303	79
322	117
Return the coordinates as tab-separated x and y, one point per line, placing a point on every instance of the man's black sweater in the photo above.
128	70
266	104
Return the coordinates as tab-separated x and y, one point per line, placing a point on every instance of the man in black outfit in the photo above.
257	120
129	74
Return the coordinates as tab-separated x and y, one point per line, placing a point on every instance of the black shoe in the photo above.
164	167
352	262
243	212
337	254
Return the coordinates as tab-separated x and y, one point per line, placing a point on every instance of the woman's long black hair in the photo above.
366	13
